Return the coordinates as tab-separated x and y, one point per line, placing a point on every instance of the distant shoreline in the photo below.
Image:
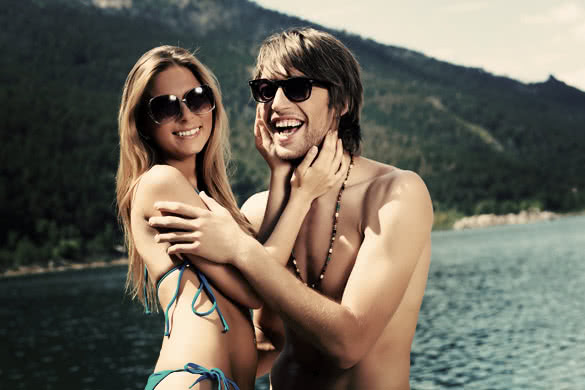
521	218
38	269
470	222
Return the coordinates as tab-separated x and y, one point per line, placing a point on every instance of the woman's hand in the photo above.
266	147
316	175
212	234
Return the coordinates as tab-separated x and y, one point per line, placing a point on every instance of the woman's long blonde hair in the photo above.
137	156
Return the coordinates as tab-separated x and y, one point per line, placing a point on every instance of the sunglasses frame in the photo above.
206	91
283	84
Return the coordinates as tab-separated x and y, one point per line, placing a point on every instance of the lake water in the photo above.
504	309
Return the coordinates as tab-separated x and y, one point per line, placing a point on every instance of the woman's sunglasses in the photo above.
164	108
296	89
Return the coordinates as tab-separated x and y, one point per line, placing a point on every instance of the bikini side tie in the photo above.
223	382
204	284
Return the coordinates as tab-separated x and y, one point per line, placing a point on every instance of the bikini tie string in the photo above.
215	374
173	299
204	285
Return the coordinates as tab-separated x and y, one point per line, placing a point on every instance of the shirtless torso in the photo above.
363	275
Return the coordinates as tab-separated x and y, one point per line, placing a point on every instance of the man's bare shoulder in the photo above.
385	183
254	208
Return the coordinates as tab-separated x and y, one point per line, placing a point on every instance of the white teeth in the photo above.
287	132
287	123
188	132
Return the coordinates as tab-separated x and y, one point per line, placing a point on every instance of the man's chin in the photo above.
290	155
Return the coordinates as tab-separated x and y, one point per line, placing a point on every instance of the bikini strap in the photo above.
146	305
223	382
205	285
181	269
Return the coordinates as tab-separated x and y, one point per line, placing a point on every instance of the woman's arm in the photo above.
165	182
280	176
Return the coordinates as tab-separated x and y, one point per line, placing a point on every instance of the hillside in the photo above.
482	143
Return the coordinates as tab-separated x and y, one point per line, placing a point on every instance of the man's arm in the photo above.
396	233
268	326
166	182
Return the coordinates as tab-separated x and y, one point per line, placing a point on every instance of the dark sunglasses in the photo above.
296	89
164	108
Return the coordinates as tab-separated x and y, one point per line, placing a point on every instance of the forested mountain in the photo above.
482	143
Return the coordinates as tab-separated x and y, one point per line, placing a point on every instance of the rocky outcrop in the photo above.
484	220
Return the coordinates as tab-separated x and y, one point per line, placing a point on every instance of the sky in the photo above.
527	40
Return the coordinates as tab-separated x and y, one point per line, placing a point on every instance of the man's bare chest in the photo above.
327	246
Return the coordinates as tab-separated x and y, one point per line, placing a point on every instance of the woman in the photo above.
173	131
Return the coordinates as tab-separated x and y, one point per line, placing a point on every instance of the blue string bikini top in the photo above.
204	285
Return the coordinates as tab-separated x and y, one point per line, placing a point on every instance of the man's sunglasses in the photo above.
164	108
296	89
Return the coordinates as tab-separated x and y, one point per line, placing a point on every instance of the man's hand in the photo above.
212	234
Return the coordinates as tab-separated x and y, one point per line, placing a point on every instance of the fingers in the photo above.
307	161
342	170
183	248
178	208
172	222
211	204
265	135
328	150
262	136
338	157
178	236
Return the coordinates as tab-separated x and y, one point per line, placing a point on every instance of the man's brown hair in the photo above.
319	55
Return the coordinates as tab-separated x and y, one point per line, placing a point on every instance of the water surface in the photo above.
504	309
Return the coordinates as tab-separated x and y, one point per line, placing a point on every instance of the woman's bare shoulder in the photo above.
163	183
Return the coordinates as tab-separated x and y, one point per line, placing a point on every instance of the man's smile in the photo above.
283	128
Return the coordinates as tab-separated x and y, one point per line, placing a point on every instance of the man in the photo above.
343	313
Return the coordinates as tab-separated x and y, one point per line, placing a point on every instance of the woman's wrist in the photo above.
281	171
300	200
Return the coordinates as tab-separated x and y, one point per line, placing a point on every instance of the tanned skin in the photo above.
355	330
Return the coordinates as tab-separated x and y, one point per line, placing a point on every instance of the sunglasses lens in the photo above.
297	89
263	90
198	100
164	108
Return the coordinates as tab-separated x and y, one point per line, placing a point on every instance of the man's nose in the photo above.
280	100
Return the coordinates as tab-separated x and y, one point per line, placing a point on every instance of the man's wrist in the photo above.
247	246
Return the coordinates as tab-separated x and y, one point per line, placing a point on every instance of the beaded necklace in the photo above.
333	233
